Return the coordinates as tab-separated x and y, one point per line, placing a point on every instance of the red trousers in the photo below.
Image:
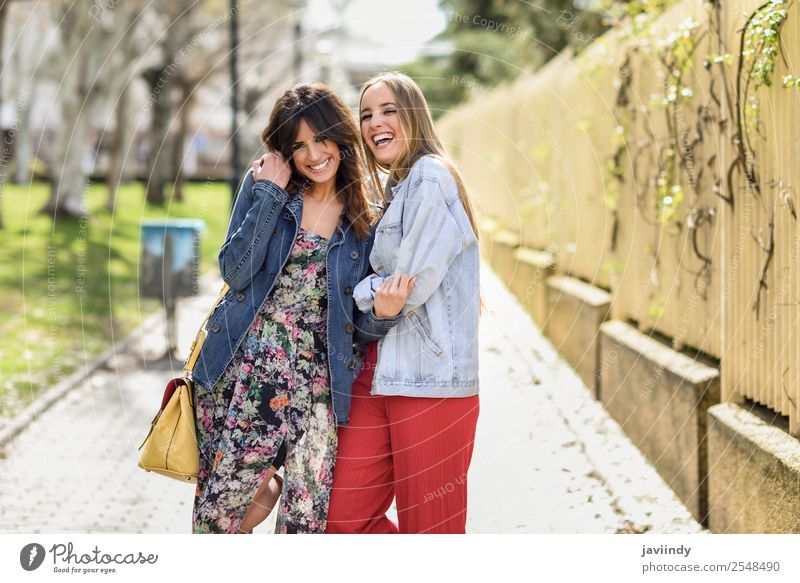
414	449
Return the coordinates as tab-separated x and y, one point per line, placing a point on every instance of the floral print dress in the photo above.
274	393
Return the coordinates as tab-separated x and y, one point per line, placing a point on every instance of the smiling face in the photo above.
315	155
380	124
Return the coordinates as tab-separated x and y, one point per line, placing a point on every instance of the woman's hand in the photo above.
391	296
272	167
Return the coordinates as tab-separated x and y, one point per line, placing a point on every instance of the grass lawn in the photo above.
71	288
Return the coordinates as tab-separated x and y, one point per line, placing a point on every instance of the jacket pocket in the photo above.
387	240
426	338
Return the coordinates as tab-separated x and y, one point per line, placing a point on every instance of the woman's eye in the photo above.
296	147
320	139
388	111
366	116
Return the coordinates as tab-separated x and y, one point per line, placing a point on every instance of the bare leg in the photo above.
263	502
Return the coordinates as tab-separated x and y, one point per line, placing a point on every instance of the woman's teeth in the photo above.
382	139
321	166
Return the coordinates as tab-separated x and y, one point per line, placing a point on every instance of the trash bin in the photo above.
169	265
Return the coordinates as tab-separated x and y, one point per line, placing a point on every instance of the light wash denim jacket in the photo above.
261	234
432	350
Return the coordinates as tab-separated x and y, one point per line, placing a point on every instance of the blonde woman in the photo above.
415	401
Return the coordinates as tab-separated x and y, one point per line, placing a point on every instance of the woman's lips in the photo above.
382	140
321	167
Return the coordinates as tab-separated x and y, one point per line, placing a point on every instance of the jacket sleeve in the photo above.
370	327
364	292
432	239
255	214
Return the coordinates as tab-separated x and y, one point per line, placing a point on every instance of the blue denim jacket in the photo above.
262	231
433	350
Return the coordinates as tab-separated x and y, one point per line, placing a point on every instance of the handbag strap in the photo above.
199	339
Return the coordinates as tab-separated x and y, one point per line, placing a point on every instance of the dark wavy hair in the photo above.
326	114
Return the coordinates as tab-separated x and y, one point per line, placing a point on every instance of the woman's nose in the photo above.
314	151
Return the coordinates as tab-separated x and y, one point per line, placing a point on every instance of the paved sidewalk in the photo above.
548	458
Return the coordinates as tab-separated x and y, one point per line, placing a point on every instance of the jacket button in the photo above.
348	290
274	231
359	353
353	254
215	328
240	296
349	328
351	365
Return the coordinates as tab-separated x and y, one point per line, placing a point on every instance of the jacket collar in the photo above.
295	205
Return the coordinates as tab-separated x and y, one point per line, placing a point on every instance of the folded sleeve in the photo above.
255	214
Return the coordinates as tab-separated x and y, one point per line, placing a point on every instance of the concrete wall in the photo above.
660	398
576	311
754	476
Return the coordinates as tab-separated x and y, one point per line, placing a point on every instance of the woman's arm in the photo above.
370	327
384	312
432	238
254	216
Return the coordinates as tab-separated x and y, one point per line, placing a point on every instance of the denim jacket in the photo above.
432	351
262	231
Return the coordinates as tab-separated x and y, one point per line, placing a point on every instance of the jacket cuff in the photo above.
364	292
270	187
386	323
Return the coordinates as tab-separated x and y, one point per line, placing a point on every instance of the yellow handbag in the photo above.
170	448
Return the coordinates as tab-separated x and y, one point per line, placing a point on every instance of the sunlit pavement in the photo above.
547	458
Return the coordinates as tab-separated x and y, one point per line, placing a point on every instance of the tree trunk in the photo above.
161	82
6	148
77	96
129	49
68	178
26	55
122	134
23	137
187	98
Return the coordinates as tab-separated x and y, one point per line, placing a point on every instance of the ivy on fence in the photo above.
676	162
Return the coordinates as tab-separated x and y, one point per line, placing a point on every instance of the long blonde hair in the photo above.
420	138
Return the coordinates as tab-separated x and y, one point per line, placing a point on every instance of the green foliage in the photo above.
614	174
495	41
656	308
668	200
441	88
635	15
762	40
613	267
636	8
70	288
761	49
790	81
676	53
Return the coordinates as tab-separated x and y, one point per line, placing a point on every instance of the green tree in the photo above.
491	41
